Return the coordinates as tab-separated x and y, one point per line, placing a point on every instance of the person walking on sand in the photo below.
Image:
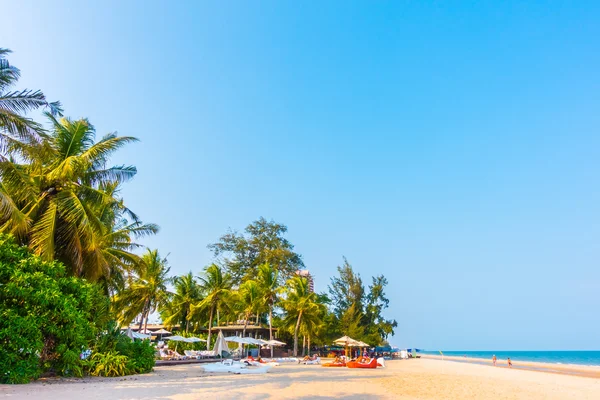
494	360
509	363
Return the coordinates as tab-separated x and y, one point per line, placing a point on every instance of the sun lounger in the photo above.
313	362
191	354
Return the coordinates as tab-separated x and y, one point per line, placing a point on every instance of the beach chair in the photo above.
164	356
190	354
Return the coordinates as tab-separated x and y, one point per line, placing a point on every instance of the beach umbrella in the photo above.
275	343
194	340
161	332
220	344
176	338
346	341
135	335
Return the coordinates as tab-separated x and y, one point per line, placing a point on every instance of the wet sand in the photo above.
406	379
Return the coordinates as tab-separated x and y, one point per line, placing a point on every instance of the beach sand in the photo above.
405	379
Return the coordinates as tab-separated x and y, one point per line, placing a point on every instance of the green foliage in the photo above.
108	364
13	104
58	194
46	317
178	308
147	290
139	354
264	242
358	315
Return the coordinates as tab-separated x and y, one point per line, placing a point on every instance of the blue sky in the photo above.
452	146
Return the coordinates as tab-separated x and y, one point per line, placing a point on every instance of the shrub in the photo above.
108	364
139	353
46	317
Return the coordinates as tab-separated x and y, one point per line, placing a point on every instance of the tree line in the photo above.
60	197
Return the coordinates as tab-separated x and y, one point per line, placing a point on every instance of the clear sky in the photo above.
453	146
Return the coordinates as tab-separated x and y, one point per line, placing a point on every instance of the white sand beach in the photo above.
407	379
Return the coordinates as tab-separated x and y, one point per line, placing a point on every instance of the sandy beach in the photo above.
407	379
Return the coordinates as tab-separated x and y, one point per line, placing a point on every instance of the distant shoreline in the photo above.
590	371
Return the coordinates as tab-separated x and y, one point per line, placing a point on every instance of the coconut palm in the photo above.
147	291
300	301
267	279
15	103
61	200
179	306
250	300
216	287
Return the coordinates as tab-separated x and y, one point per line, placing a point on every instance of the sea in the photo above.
591	358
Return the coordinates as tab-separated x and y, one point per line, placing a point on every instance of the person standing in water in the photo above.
494	360
509	363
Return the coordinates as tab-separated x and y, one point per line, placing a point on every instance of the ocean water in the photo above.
553	357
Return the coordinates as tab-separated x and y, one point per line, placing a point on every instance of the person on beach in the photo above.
494	360
509	363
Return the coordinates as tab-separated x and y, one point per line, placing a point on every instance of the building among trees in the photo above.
304	273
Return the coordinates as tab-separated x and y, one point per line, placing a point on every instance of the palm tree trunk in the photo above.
244	331
296	334
257	317
271	327
209	328
147	316
142	316
308	338
303	345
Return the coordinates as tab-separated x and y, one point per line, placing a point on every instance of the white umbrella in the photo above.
275	343
134	335
176	338
194	340
220	344
235	339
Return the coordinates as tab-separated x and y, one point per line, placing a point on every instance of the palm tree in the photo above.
61	201
267	279
216	286
299	301
147	291
250	300
179	307
14	103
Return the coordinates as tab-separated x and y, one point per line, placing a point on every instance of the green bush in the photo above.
141	356
139	353
46	317
108	364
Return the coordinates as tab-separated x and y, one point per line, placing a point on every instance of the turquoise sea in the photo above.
554	357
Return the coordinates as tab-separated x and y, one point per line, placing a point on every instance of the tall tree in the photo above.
216	286
250	300
377	327
299	302
60	200
267	279
177	310
13	104
148	289
347	295
263	242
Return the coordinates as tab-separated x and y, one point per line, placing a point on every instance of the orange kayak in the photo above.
357	364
